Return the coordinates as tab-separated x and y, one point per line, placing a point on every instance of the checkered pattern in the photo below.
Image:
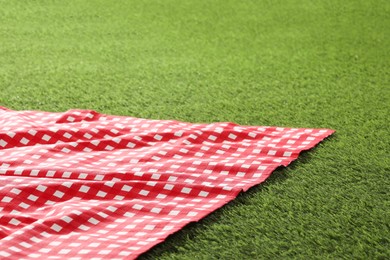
81	184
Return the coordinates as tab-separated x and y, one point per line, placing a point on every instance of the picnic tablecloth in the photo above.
85	185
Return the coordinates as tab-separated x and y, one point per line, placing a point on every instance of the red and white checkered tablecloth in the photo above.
84	185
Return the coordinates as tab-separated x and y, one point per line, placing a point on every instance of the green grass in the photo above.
308	63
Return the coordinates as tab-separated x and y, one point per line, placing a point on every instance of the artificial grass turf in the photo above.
321	64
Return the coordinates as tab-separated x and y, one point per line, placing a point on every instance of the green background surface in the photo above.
315	64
